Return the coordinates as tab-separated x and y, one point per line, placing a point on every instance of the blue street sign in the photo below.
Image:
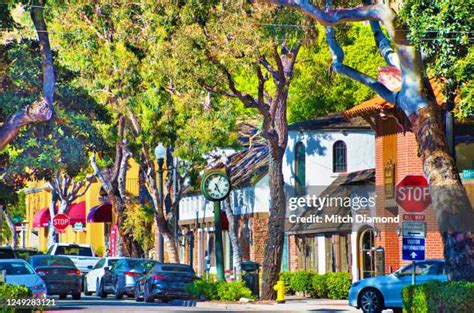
413	249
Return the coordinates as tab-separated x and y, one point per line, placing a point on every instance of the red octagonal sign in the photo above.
60	221
413	194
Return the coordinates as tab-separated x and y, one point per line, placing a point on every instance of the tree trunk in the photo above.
52	238
11	225
276	223
454	214
234	239
1	225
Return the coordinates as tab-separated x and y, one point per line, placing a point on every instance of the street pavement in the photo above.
110	305
94	304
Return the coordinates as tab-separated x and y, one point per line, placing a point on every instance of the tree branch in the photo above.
118	149
341	68
98	173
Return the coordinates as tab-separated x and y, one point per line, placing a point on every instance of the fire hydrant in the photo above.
280	289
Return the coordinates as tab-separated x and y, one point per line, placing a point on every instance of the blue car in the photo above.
375	294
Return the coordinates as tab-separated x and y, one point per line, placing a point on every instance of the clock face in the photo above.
216	186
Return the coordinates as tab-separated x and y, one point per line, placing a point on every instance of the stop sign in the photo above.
60	221
413	194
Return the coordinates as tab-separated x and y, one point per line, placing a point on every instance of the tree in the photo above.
416	100
225	49
112	45
40	110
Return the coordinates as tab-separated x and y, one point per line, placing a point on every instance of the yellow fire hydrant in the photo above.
280	289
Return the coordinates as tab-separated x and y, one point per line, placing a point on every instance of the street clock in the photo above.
215	186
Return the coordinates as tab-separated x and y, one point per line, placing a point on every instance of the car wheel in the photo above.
138	298
100	290
62	296
165	300
86	292
370	301
76	296
397	310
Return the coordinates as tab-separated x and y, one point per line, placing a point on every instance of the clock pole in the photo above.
218	247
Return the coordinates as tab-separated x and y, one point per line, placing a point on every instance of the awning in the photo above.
77	213
101	213
41	218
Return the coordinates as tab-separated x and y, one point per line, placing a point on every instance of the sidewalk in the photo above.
292	304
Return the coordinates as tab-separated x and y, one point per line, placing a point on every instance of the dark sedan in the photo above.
120	280
60	275
165	281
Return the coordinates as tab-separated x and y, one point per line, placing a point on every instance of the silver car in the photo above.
375	294
19	272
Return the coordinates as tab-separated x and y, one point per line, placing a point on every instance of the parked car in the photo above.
60	274
7	252
120	280
165	281
82	255
92	279
26	253
19	272
383	292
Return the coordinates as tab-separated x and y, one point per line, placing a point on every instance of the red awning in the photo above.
101	213
77	213
41	218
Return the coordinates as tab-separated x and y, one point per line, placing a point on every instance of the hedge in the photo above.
329	285
8	291
219	290
440	297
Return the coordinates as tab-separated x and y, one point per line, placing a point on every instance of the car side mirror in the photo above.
89	267
145	271
106	268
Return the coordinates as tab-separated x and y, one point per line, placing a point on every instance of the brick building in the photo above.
396	157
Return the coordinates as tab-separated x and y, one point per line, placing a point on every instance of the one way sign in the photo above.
413	249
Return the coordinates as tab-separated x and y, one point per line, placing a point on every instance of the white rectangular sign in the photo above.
414	229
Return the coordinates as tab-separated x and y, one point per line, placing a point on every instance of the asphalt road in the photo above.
110	305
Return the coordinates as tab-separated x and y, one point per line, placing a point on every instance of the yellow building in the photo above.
91	210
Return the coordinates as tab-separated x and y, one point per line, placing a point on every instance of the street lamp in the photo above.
160	153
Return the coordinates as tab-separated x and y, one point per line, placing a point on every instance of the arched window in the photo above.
300	168
339	157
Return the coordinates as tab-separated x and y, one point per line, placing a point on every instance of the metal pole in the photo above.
175	191
218	246
413	279
161	251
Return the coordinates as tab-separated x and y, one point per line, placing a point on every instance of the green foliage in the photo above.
138	220
286	278
320	288
329	285
443	29
219	291
315	92
435	296
301	281
338	285
8	291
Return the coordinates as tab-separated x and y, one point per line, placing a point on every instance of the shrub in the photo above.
8	291
13	291
435	296
233	291
214	291
338	285
286	278
319	286
302	281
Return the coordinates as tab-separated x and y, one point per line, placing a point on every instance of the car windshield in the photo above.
137	263
426	268
16	268
6	253
51	261
112	262
26	254
74	250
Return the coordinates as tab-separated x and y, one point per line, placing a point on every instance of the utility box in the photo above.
251	276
